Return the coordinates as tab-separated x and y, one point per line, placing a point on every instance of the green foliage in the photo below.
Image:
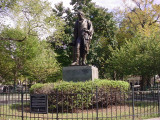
82	94
24	54
28	58
138	43
32	15
44	67
139	56
7	4
143	16
29	15
13	33
36	86
87	86
12	53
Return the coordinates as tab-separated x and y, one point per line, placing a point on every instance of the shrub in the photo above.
72	95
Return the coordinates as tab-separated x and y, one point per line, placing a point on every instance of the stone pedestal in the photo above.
80	73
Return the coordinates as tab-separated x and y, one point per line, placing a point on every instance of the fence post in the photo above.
22	101
158	100
133	100
57	103
96	103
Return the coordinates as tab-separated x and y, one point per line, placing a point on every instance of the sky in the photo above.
110	4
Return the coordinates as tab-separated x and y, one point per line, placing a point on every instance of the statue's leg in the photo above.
84	53
84	58
77	54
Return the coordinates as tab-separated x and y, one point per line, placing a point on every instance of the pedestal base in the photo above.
80	73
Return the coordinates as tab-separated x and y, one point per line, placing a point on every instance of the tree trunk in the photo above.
15	79
145	82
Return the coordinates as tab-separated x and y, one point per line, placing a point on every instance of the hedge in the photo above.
73	95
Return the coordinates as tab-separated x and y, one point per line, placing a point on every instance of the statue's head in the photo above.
80	14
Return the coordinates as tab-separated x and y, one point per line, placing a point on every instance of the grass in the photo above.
142	110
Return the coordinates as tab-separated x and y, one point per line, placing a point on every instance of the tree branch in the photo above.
155	20
2	38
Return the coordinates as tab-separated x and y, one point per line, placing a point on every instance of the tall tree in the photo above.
139	56
15	53
28	59
144	14
139	23
44	66
21	45
28	14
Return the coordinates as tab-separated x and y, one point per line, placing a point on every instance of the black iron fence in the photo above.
131	105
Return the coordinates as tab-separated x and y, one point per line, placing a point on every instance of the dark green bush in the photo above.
72	95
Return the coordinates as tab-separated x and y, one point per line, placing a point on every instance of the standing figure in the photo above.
83	32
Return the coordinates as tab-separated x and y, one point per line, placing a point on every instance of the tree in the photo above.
43	67
142	16
15	53
30	58
139	56
23	45
138	23
27	14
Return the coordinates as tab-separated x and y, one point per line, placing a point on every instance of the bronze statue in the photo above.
83	32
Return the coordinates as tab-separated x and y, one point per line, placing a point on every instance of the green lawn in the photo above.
142	110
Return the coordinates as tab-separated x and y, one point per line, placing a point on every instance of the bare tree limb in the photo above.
137	3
